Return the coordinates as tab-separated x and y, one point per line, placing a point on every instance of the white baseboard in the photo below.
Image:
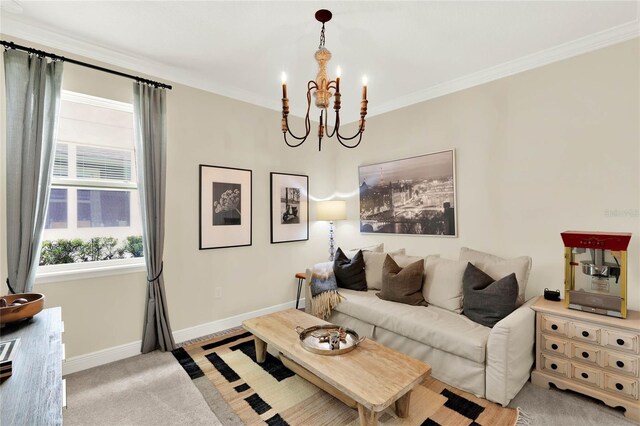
227	323
116	353
105	356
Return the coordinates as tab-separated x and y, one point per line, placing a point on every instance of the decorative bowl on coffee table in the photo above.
316	339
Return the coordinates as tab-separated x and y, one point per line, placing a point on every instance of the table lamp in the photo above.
331	211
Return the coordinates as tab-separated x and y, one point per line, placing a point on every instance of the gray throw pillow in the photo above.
487	301
350	272
402	285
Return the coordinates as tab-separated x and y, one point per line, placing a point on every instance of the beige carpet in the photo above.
153	389
150	389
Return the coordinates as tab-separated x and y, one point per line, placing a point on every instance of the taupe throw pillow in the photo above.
487	301
402	285
350	272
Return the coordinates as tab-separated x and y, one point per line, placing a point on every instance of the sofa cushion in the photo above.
402	285
378	248
487	301
404	260
498	267
443	283
373	262
431	325
350	272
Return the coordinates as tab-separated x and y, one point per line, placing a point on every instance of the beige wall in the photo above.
202	128
538	153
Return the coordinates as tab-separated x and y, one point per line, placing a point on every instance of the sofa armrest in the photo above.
510	354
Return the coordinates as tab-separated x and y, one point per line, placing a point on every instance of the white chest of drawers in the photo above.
588	353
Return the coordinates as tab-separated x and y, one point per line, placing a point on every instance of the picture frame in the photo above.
289	207
411	196
225	207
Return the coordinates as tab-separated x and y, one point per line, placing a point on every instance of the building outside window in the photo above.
94	213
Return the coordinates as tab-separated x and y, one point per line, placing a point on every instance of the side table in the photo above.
593	354
301	276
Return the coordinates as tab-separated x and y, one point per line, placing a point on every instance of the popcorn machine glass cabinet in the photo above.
596	272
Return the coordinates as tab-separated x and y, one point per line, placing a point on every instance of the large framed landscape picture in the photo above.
225	207
414	195
289	207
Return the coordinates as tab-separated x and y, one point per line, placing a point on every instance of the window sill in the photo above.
80	271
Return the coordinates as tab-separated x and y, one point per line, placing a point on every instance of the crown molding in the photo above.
17	27
567	50
13	25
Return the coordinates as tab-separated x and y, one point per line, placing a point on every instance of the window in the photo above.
93	217
57	214
97	208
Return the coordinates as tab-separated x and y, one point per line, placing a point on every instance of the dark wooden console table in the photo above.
33	393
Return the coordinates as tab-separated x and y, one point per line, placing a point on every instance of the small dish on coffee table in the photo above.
316	339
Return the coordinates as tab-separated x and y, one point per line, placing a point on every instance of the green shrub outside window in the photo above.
61	251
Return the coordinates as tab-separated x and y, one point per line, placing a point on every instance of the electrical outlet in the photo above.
217	293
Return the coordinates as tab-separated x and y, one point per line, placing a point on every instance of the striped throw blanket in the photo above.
324	289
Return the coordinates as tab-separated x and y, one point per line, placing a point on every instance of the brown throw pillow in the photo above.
402	285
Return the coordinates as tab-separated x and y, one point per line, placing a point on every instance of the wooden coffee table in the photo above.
369	378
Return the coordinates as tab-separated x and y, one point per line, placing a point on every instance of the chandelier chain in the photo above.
321	37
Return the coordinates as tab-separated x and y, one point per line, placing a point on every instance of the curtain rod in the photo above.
11	45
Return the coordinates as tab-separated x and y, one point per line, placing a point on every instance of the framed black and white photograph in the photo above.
225	207
414	196
289	207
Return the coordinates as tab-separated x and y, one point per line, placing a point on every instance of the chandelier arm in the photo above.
307	122
302	138
359	133
353	137
320	132
294	145
336	126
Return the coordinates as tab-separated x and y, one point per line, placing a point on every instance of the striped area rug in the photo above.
242	392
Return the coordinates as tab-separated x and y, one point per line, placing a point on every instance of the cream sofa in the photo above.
492	363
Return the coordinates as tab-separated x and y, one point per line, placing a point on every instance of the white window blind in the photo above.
61	160
103	163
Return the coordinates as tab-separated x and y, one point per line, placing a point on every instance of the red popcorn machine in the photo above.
595	272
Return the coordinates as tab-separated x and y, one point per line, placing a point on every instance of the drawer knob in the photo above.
584	375
620	364
619	386
554	366
585	334
554	347
620	342
585	354
554	327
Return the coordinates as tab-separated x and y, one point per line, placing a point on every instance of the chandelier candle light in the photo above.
322	90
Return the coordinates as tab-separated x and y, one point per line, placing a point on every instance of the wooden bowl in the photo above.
34	304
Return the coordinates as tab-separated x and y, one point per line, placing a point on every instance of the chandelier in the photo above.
323	90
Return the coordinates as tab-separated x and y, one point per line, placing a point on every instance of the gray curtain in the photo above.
33	101
149	111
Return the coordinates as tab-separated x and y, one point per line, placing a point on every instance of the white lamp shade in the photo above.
331	210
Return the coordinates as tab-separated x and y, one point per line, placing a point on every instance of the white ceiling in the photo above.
410	51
